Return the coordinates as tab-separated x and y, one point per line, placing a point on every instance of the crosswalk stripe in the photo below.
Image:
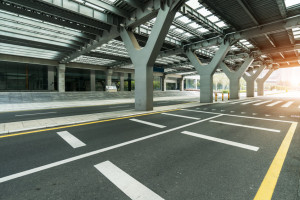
127	184
239	101
287	104
260	103
228	142
273	104
250	102
71	139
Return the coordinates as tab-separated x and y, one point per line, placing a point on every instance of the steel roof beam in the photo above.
48	18
134	3
281	49
248	12
106	6
281	7
68	10
21	21
107	56
34	44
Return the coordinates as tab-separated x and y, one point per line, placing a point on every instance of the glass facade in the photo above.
23	77
100	80
157	83
77	79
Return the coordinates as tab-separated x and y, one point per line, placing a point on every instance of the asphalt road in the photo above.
217	151
63	112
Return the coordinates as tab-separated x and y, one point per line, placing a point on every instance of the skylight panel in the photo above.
173	27
188	35
204	12
203	30
94	6
179	30
221	24
184	19
213	18
290	3
178	14
193	3
194	25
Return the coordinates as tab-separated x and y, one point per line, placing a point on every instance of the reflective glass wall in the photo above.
23	77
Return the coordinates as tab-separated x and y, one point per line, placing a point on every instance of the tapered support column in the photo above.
143	58
235	76
206	71
61	77
261	82
109	74
51	78
250	80
121	81
181	86
93	80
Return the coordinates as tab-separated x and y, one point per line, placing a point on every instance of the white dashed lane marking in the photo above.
127	184
71	139
148	123
246	126
182	116
228	142
250	102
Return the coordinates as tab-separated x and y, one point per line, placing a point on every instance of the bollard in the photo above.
222	96
216	96
228	96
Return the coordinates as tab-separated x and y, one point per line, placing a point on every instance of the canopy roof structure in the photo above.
87	31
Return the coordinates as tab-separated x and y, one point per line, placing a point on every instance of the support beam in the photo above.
61	77
206	71
261	82
93	80
164	82
235	76
144	66
181	86
250	80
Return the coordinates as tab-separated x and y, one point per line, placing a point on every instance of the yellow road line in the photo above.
82	124
267	187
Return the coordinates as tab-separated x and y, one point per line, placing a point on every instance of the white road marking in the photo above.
257	104
267	115
85	155
213	109
273	104
254	113
287	104
243	112
35	114
127	184
246	126
241	116
71	139
228	142
182	116
281	116
232	111
250	102
148	123
222	110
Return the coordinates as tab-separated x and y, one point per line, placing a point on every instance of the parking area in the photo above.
193	153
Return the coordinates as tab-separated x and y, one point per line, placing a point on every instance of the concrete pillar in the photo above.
93	80
109	73
121	81
164	83
143	58
51	78
206	71
181	86
61	77
235	76
250	80
261	82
